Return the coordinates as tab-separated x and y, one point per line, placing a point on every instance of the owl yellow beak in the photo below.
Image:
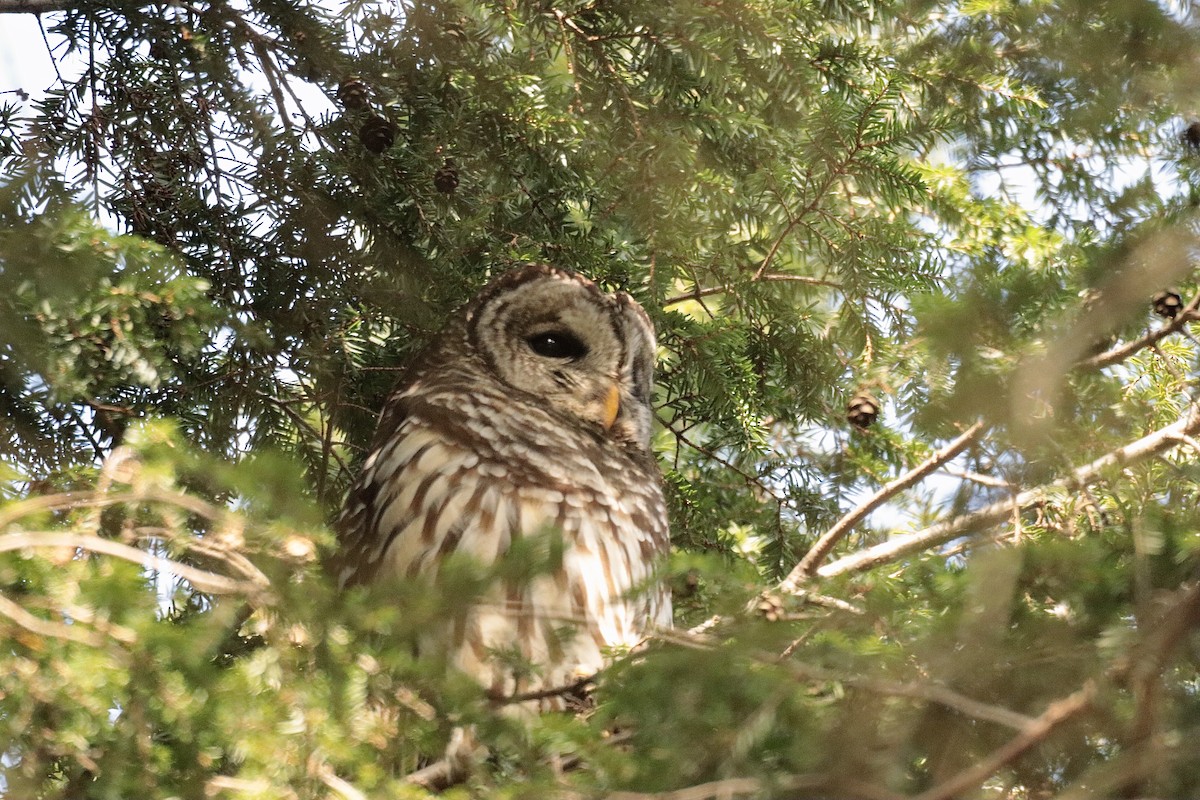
612	406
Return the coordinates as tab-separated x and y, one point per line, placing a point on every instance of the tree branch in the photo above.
203	580
741	787
1141	672
340	787
1058	713
543	694
817	553
64	501
905	544
1118	354
436	777
34	6
48	628
928	692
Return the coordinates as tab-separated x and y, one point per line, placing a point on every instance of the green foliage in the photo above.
226	230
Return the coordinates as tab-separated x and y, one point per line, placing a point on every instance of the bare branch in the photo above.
203	580
729	788
1057	714
974	477
1164	636
1113	777
1141	671
436	777
817	553
824	601
906	544
66	501
929	692
49	628
1190	442
340	787
1188	313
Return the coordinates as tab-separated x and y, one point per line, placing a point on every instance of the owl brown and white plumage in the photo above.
529	413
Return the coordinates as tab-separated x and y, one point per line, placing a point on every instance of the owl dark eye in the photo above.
557	344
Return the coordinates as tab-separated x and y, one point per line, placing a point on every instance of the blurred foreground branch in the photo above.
1056	714
205	581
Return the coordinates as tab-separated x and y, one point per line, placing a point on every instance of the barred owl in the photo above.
529	413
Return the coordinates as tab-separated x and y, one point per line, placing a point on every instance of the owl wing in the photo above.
410	471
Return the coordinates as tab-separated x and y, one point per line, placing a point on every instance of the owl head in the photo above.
557	338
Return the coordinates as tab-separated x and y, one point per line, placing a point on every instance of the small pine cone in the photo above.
161	50
1191	136
111	423
1168	304
140	222
770	607
862	410
1101	345
353	93
685	585
445	180
377	134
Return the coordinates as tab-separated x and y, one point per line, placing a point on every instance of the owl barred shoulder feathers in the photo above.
530	412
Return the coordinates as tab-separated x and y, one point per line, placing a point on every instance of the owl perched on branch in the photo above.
530	413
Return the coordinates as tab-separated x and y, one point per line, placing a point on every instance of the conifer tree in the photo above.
922	274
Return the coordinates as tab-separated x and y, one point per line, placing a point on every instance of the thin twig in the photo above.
903	545
82	614
836	172
268	67
1113	776
742	787
306	426
49	49
929	692
205	547
751	480
569	54
1055	715
543	694
699	292
1163	637
112	470
975	477
816	554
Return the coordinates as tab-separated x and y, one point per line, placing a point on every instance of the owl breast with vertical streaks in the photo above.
529	414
